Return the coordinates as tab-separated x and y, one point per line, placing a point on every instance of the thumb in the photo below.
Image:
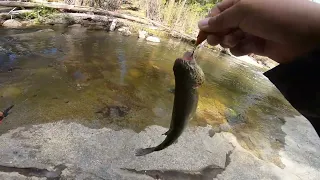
229	18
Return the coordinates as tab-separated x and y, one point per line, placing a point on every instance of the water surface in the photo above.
103	79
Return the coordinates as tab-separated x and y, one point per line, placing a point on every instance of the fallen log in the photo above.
5	9
70	8
83	16
98	11
13	14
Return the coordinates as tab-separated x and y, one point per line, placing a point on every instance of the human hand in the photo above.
281	30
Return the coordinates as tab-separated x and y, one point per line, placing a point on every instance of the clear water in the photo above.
103	79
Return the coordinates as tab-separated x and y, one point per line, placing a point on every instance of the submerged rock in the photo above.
12	23
125	31
122	29
153	39
114	111
11	92
211	111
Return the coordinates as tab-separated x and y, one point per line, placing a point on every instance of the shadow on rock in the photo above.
50	175
208	173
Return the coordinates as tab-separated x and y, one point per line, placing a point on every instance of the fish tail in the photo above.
6	111
143	152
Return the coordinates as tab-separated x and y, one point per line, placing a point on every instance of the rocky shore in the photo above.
67	150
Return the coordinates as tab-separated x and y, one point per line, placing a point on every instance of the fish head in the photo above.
187	72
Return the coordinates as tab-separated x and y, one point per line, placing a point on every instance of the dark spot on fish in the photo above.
35	95
55	97
66	101
171	90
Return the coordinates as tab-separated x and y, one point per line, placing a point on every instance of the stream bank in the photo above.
98	19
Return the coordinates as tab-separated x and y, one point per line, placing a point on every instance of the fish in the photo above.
5	113
188	77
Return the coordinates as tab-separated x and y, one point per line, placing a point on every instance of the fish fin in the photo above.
6	111
143	152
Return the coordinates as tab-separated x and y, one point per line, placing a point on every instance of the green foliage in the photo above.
40	11
203	6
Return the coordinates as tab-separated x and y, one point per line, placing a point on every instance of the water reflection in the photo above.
122	64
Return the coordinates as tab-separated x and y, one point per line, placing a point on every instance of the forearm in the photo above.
298	81
287	21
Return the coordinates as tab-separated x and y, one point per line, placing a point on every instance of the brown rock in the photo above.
12	23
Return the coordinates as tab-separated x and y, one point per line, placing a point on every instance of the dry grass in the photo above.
179	16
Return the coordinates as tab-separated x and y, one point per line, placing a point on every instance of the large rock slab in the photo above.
86	153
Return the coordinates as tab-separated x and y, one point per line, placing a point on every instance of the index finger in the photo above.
220	7
216	10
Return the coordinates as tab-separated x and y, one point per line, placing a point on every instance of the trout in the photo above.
188	77
5	113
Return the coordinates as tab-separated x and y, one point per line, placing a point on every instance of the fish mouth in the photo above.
187	56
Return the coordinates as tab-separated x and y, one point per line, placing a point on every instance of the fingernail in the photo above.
203	23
